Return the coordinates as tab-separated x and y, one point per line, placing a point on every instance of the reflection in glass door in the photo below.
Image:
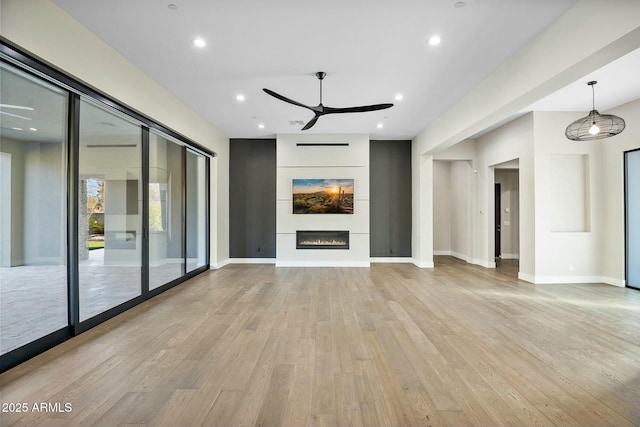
33	212
196	210
110	210
166	223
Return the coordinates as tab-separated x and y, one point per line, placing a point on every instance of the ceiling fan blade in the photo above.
361	109
311	122
285	99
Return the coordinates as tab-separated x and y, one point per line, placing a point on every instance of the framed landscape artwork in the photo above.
322	196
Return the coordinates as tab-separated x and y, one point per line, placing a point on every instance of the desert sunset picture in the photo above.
322	196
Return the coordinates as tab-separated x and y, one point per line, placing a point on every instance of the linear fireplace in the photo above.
322	239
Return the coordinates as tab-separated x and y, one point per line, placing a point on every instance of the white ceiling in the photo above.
618	83
370	49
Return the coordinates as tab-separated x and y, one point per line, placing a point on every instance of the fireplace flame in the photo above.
319	242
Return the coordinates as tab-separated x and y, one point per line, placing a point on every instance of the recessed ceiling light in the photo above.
380	126
33	129
17	128
173	6
459	4
399	97
199	42
435	40
240	97
261	126
16	107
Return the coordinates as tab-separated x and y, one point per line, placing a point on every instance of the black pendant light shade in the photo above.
595	125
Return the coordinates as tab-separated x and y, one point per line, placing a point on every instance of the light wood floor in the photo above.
390	345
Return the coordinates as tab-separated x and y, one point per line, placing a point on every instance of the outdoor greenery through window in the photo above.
157	206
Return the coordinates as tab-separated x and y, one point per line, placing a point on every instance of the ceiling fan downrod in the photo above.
320	75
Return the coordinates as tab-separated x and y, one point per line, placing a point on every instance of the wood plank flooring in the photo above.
390	345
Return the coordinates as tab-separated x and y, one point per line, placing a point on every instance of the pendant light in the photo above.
595	125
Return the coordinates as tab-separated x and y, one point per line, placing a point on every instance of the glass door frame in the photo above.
626	217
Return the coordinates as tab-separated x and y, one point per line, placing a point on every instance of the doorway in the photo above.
507	217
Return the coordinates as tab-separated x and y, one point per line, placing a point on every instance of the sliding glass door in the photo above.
110	210
33	208
100	207
196	210
166	206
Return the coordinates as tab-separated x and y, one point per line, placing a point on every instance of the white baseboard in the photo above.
323	264
453	254
510	256
526	277
422	264
564	280
463	257
621	283
482	263
218	265
391	260
252	261
466	258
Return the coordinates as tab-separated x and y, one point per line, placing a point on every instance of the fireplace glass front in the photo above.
322	239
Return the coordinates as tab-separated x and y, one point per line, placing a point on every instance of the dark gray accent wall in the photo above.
252	198
390	198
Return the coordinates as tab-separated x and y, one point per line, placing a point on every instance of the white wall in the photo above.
421	208
42	28
565	250
441	208
462	189
322	162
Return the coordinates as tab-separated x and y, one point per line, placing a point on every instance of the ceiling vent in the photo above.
296	122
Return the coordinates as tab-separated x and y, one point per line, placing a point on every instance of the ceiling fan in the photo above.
321	110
